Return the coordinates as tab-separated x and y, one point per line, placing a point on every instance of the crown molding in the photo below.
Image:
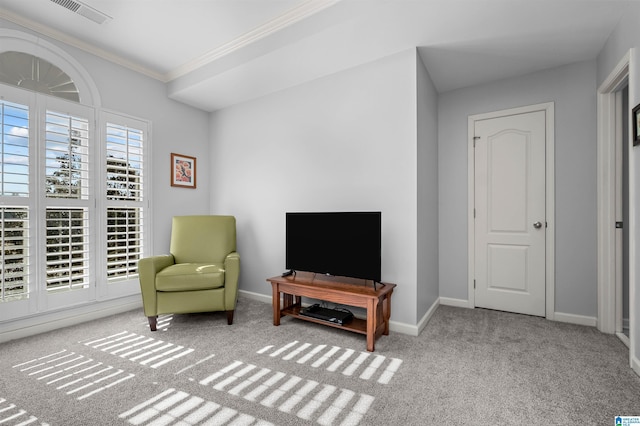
298	13
75	42
290	17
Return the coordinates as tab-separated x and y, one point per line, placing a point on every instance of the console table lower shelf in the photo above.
375	299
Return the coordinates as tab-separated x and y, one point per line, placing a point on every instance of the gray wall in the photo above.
573	89
627	36
175	128
342	142
427	110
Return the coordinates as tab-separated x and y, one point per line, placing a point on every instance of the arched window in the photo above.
15	44
73	201
30	72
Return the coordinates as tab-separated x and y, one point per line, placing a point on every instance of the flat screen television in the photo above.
347	244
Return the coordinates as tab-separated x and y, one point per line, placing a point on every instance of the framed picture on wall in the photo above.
635	120
183	170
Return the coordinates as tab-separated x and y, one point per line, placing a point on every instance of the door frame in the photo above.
550	285
607	288
619	186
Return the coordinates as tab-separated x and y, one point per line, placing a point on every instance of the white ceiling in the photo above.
216	53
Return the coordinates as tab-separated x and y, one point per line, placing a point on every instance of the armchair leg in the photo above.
230	317
153	321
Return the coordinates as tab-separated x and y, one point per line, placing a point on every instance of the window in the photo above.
72	203
14	203
33	73
67	174
124	162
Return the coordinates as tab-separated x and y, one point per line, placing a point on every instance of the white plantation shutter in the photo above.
125	162
67	176
14	253
124	193
67	156
124	242
68	250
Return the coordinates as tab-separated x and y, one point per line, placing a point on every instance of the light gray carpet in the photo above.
473	367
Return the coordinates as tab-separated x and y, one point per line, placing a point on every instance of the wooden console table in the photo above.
377	301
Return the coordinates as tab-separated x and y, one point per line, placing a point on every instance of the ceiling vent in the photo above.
84	10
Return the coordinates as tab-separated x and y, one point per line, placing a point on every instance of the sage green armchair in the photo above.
201	273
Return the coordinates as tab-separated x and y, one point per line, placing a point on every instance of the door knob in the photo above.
537	225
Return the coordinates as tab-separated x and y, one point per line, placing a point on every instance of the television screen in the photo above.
345	244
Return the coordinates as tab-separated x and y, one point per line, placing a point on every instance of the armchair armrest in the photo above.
148	267
232	272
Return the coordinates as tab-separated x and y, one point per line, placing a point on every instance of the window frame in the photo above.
99	288
57	299
29	305
128	286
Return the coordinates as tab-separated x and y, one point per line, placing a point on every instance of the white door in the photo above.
510	223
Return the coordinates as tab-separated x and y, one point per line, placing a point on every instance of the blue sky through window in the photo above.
14	149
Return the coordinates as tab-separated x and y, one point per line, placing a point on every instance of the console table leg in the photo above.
371	324
276	304
386	313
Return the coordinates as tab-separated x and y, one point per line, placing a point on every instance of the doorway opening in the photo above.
622	213
613	203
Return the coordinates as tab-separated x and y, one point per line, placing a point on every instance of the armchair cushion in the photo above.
190	276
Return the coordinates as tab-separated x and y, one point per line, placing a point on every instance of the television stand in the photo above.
343	291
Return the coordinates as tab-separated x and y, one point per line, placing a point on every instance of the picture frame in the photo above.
635	120
183	171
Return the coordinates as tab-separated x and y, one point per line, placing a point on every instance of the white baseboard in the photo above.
557	316
624	339
575	319
458	303
635	365
54	320
403	328
427	316
256	296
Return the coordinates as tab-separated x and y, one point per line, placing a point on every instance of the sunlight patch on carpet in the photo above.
307	399
163	322
13	415
145	350
190	366
73	374
368	365
178	407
